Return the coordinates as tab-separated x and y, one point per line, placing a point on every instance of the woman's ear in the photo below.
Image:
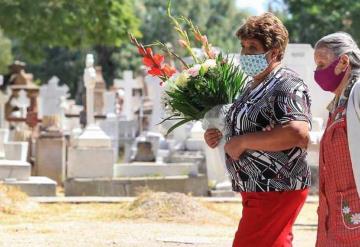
344	61
343	64
274	55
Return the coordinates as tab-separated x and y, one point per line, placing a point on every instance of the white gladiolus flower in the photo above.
182	79
209	64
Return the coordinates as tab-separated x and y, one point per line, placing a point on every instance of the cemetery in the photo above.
95	148
117	153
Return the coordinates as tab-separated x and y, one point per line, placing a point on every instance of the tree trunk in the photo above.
104	59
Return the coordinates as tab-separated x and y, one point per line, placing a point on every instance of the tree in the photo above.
37	25
218	19
5	53
309	20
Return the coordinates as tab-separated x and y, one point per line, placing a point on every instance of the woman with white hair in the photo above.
338	71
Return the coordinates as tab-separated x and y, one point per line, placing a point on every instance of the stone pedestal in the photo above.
51	157
14	170
35	186
93	136
16	150
4	137
110	127
89	162
17	174
197	186
151	169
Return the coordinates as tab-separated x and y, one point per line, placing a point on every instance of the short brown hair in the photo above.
268	29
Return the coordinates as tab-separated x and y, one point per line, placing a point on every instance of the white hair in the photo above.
342	43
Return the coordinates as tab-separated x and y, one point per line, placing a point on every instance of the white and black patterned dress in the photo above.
280	98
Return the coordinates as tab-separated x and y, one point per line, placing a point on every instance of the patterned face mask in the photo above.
253	64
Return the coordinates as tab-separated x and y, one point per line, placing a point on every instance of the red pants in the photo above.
268	217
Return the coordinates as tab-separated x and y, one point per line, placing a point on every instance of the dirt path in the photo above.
98	225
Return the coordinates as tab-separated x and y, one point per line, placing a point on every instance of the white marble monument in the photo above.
93	156
128	83
50	97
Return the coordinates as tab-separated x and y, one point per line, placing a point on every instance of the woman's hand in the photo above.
212	137
235	147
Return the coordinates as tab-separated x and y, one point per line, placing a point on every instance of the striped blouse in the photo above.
280	98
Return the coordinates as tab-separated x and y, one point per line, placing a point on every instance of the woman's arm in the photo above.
283	137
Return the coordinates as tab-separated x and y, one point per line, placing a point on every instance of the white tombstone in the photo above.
50	96
22	102
300	58
4	137
16	150
127	135
4	97
128	83
110	103
156	93
92	156
92	136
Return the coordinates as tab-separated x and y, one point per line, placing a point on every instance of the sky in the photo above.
255	6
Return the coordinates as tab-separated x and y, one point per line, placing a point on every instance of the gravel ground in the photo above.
98	225
128	234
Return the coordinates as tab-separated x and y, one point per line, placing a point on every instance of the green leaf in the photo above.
178	124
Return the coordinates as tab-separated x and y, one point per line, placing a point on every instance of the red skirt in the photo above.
268	217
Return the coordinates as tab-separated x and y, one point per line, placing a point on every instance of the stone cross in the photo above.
51	95
128	83
90	81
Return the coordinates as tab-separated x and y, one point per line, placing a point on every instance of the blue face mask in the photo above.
253	65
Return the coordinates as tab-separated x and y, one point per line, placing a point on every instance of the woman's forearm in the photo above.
294	134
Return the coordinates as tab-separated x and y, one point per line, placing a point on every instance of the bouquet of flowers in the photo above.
197	91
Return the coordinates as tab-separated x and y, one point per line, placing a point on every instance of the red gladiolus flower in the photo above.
158	59
148	62
154	62
168	70
141	51
149	51
155	72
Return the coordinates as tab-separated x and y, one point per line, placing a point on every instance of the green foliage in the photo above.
309	20
76	24
219	86
52	36
5	53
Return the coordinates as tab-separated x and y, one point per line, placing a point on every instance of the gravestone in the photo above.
110	124
155	93
50	96
99	90
128	84
92	156
50	158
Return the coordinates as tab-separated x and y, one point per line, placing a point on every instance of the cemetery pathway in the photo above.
68	229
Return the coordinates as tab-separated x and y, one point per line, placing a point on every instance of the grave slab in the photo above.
16	170
90	162
196	186
35	186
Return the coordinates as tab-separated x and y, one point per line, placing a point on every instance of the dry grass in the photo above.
148	207
175	207
14	201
